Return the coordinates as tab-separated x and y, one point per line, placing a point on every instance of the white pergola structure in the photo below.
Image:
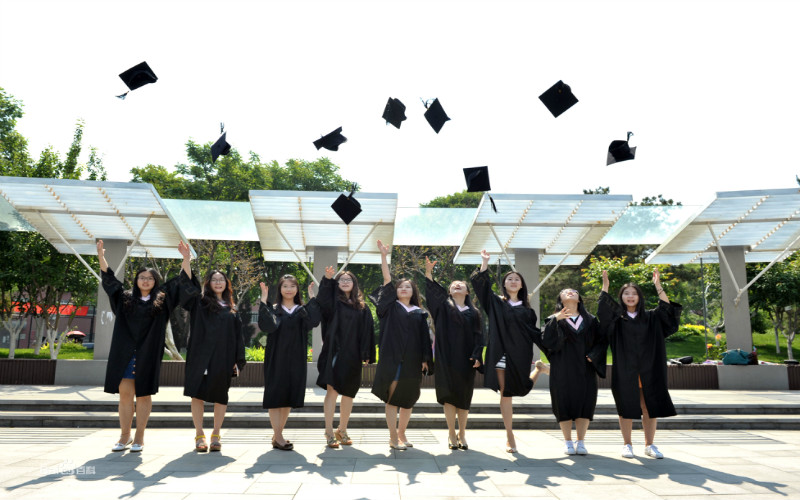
736	228
72	215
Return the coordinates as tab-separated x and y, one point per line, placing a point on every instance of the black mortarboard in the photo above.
331	141
347	207
436	116
558	98
478	180
394	112
221	147
620	151
137	76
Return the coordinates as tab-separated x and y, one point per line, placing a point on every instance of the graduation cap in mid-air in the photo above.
435	115
221	147
137	76
331	141
558	98
394	112
346	206
478	180
620	151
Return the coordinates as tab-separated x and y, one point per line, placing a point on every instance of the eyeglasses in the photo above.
216	280
146	278
569	290
345	280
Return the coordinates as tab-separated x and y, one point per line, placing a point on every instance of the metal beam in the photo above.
502	249
130	247
577	242
349	257
73	250
299	260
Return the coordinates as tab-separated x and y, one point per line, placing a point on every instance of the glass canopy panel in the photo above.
82	211
11	220
432	226
648	225
561	227
766	223
303	220
214	220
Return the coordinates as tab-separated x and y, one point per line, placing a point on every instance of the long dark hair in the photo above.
356	299
467	302
210	297
640	305
298	299
523	292
414	301
130	297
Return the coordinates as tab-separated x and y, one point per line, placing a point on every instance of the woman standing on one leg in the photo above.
405	351
214	354
458	351
348	342
577	350
137	342
639	358
512	334
285	359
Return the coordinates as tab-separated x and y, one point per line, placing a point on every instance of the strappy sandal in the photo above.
287	447
398	446
342	437
215	445
510	449
200	446
332	442
462	445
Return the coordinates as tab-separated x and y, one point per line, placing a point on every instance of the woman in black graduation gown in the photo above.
405	351
285	359
576	349
512	334
639	358
137	342
458	350
214	353
348	342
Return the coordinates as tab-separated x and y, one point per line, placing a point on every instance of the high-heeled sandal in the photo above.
451	445
462	445
198	446
332	441
215	445
342	437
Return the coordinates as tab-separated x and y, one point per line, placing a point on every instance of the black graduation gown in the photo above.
215	344
347	336
573	379
512	332
405	340
458	342
140	330
286	355
638	350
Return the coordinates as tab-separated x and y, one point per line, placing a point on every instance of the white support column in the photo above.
104	318
737	315
323	257
527	264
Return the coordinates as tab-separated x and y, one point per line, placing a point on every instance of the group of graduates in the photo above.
574	341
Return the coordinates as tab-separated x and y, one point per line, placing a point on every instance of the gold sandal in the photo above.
332	442
342	437
200	446
215	446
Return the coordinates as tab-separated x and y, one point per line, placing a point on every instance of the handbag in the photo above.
736	357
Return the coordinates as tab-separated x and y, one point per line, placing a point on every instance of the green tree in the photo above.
620	273
778	293
461	199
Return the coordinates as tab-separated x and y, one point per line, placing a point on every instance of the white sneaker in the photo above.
627	451
568	448
652	451
580	449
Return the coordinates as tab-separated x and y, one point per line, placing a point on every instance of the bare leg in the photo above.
345	408
450	418
277	422
405	417
540	368
581	425
626	427
462	425
285	418
566	429
126	393
219	416
648	424
197	418
506	410
329	406
391	423
144	405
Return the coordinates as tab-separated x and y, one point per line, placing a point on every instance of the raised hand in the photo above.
657	279
384	249
429	267
184	250
311	294
264	292
485	256
101	256
330	272
563	314
605	281
101	252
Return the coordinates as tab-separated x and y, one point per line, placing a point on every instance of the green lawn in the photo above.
68	351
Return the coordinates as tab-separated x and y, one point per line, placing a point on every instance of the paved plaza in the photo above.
76	463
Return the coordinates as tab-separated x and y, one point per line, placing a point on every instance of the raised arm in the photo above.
101	256
480	282
659	289
384	249
183	248
605	281
484	260
429	268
